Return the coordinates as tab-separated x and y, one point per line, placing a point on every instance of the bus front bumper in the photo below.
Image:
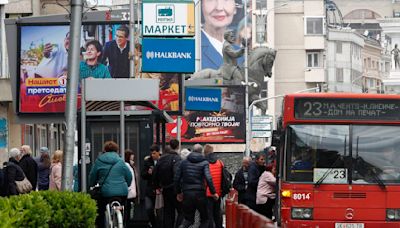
339	224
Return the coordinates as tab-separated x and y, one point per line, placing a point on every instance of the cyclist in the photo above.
110	171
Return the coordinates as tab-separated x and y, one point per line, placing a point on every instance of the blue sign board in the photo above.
203	99
168	55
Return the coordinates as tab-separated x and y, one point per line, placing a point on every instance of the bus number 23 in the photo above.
313	108
301	196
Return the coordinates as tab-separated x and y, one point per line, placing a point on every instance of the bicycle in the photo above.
114	215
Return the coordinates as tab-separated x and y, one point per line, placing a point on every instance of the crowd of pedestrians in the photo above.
188	181
255	183
41	173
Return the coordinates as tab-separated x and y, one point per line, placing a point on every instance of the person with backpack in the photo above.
214	205
163	178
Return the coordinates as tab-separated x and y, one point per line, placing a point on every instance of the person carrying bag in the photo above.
95	191
112	178
15	181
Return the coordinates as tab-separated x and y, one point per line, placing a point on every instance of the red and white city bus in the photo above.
339	161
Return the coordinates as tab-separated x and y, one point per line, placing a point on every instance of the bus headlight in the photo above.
393	214
286	193
302	213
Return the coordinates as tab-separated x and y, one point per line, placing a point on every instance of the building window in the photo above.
339	47
314	26
314	59
28	134
339	74
371	83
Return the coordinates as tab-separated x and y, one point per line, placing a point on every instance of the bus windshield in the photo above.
343	154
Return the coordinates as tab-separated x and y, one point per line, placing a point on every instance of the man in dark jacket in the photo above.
256	168
116	53
240	182
147	174
28	165
189	184
12	173
164	173
2	187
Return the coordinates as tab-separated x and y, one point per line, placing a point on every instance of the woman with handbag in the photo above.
14	175
113	176
56	171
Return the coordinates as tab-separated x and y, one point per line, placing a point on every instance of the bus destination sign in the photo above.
347	109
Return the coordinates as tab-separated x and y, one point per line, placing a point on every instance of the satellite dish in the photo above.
366	33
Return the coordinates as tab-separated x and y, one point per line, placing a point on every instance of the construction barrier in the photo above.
241	216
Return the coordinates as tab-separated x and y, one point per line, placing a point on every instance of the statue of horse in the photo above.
260	62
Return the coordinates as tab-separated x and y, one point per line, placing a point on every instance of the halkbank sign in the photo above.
168	55
168	18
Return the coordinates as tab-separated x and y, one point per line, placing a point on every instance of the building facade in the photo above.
344	61
300	40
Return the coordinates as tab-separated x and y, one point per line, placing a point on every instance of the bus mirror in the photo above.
275	138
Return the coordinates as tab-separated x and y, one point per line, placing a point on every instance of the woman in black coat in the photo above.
12	172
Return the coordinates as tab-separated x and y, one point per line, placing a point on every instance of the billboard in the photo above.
168	19
43	63
216	18
202	99
168	55
225	126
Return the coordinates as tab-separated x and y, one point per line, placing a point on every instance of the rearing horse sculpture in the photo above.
260	63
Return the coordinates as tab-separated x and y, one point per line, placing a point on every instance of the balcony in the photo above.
314	75
314	42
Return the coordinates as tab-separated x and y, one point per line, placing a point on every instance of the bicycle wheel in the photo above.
107	215
118	220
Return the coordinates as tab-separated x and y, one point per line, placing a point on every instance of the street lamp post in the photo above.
354	80
249	135
261	21
246	78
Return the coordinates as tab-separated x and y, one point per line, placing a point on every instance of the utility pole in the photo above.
132	38
246	80
3	53
72	91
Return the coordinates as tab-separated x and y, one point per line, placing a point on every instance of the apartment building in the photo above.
344	60
300	41
350	55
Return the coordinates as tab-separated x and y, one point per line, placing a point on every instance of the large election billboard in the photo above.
43	61
225	126
216	18
43	64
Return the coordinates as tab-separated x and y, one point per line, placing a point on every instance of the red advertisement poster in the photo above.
226	126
